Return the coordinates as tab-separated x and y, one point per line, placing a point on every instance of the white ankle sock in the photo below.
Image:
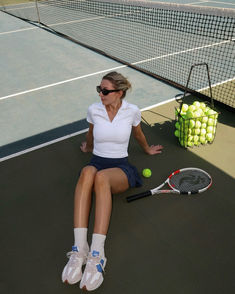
80	239
98	243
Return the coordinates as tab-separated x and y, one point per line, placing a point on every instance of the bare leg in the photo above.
72	272
82	198
107	181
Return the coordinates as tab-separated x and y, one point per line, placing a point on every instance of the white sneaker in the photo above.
93	275
72	272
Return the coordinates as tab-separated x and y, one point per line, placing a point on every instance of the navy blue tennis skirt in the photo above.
133	176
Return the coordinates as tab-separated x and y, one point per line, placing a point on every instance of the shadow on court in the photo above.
42	138
160	244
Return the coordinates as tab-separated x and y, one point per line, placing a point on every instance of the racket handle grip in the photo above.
138	196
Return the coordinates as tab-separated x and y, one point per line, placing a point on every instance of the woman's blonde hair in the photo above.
118	81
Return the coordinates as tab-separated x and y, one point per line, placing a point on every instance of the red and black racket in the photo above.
189	181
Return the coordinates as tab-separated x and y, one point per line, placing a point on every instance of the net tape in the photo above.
158	38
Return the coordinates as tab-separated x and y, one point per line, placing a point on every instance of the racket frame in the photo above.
158	190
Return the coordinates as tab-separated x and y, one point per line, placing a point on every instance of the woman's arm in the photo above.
141	139
88	145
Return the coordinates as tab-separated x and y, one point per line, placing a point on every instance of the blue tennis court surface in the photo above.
47	84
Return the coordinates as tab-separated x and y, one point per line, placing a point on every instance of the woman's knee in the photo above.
88	173
113	179
101	178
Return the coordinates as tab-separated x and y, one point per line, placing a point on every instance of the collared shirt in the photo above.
111	138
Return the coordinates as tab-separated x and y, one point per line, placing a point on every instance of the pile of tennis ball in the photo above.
195	124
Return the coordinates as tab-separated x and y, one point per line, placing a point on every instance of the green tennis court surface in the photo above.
162	244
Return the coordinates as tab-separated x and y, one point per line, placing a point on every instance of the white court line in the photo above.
42	145
67	136
217	84
206	1
219	2
62	23
197	3
52	25
118	67
26	7
18	4
184	51
62	82
20	30
157	104
87	19
74	21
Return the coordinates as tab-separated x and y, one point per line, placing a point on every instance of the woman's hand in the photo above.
141	139
154	149
85	148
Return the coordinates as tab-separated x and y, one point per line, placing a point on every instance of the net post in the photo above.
36	5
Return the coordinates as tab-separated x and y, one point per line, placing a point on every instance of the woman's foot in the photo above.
72	272
92	277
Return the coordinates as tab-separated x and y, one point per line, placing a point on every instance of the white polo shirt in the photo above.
111	138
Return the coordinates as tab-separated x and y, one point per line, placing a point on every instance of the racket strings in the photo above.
190	180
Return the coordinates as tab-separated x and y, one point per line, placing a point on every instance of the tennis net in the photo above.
160	39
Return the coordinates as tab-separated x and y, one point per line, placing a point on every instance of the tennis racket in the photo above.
183	181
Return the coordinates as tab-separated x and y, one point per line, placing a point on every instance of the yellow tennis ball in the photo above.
196	104
204	119
147	173
184	107
177	133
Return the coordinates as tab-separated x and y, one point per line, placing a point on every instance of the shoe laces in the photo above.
75	257
93	262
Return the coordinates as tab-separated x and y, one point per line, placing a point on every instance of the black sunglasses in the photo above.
105	91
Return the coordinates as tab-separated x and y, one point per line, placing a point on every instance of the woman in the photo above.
109	172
